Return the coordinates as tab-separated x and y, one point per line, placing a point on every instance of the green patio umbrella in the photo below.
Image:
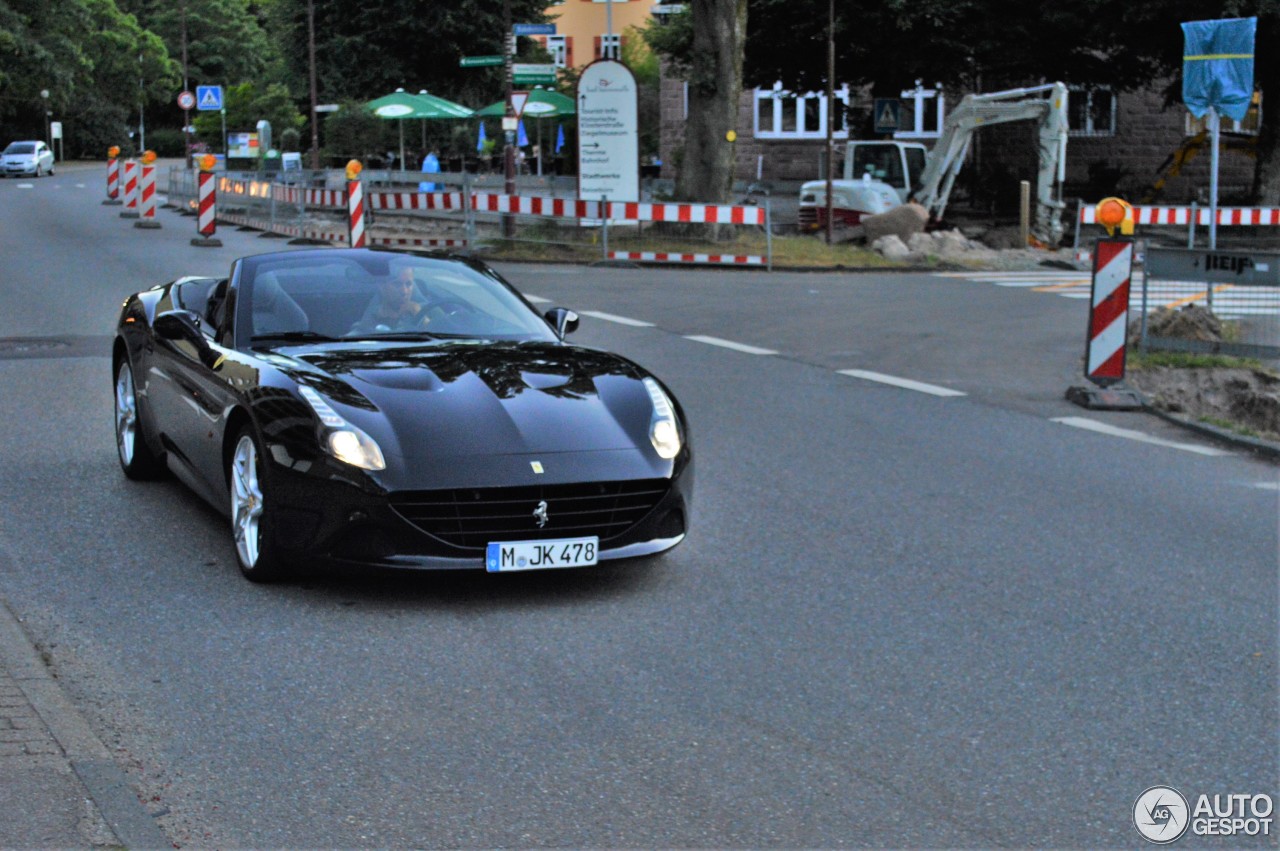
542	103
400	105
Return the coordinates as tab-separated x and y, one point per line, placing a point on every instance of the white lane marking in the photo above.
1267	486
1103	428
904	383
537	299
1041	282
621	320
26	186
729	344
79	186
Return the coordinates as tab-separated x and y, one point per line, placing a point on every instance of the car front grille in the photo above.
471	518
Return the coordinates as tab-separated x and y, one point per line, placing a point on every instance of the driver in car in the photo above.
398	305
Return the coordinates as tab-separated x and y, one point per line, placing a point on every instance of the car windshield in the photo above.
317	296
20	148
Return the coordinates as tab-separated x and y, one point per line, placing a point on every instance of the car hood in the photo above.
469	399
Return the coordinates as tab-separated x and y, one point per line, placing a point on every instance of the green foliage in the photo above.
246	105
672	39
352	132
225	43
166	142
98	65
366	51
639	57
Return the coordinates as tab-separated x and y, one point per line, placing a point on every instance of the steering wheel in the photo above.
452	308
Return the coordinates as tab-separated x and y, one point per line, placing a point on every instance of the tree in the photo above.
225	42
368	51
706	44
98	65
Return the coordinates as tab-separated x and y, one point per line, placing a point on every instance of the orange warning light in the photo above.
113	152
353	169
148	157
207	162
1115	213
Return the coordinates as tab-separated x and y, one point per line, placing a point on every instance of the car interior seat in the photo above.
274	311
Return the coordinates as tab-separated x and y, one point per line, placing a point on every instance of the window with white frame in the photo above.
556	46
781	114
1091	111
610	46
927	109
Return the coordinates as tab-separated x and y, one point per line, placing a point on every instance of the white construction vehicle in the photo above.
879	176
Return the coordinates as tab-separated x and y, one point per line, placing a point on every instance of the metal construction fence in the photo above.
465	210
1237	224
1241	288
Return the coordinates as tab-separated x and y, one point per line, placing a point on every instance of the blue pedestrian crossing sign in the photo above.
887	112
209	97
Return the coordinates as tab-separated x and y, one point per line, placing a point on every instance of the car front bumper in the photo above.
321	519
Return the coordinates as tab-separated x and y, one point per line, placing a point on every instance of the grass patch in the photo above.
1228	425
1137	359
572	245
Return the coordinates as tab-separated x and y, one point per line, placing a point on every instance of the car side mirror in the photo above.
564	320
179	325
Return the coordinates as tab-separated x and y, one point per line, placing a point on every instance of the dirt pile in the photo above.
1240	397
1192	322
1246	398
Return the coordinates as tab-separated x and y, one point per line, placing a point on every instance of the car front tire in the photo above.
136	458
251	511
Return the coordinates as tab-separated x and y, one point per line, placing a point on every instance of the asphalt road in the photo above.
901	619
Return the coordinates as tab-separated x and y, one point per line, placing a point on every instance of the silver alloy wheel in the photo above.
126	414
246	500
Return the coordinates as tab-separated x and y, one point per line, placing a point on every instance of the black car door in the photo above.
190	398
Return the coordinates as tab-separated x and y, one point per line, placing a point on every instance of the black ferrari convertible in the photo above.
396	409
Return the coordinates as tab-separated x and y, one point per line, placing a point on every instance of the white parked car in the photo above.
21	158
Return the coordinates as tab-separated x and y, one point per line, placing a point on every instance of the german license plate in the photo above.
541	555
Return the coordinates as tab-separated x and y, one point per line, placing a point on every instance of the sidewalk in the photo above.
59	787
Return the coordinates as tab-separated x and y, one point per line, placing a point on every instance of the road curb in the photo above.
106	784
1265	448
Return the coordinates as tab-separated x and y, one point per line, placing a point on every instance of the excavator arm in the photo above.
1045	104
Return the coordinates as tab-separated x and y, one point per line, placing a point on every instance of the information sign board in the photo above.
608	133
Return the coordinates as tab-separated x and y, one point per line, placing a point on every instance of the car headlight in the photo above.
664	432
341	439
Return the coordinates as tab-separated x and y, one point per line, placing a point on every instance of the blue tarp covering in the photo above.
1217	66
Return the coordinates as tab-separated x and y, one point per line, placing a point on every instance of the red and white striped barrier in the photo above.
418	243
206	211
113	179
671	257
618	210
331	198
147	202
1238	216
415	200
1109	311
355	214
207	205
130	210
283	230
